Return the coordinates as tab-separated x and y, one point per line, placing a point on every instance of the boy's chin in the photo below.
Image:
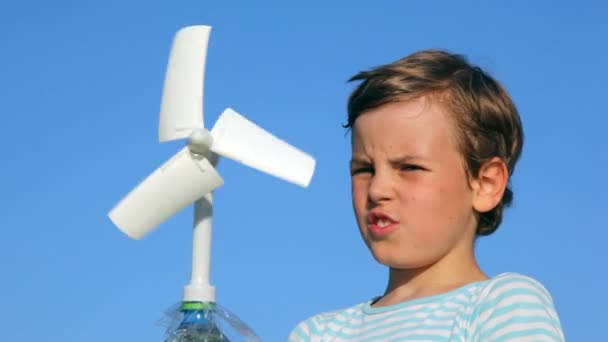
398	260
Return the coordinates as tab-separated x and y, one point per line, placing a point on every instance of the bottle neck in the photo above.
198	313
200	321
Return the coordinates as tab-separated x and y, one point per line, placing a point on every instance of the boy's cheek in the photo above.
359	199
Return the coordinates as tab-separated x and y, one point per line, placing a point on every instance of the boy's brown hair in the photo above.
488	122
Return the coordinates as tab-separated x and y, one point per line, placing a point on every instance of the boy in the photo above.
434	143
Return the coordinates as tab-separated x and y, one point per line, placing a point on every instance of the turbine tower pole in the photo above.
200	289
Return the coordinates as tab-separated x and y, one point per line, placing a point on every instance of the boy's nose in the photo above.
380	188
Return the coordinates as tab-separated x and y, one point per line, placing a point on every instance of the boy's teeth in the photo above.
383	223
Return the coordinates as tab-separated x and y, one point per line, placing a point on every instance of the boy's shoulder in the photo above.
491	306
512	291
506	282
514	305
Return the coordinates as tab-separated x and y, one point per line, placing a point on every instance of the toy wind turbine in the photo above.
190	177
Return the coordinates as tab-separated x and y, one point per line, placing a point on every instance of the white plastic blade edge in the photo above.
241	140
182	99
176	184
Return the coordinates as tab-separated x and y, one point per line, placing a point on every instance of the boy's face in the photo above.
411	195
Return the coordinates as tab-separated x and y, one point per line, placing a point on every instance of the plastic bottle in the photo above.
199	324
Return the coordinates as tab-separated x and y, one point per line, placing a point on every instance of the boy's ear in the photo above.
489	185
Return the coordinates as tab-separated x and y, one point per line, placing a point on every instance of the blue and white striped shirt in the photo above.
509	307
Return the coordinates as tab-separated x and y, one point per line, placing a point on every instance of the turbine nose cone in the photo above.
200	141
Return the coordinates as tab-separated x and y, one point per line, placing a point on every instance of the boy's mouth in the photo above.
380	223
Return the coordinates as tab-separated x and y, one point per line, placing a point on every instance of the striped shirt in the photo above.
509	307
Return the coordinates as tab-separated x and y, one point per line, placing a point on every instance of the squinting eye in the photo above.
362	170
411	167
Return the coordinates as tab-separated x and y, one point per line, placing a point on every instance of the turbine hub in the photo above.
200	141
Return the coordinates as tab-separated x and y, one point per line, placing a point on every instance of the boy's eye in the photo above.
411	167
361	170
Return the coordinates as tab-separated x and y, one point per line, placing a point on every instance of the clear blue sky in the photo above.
80	96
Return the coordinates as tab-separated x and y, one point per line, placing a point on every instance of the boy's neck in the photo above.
443	276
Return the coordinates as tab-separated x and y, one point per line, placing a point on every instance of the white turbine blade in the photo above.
241	140
182	99
179	182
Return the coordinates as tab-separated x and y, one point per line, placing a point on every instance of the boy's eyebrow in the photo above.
406	159
360	160
395	160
